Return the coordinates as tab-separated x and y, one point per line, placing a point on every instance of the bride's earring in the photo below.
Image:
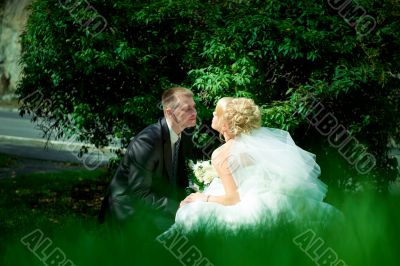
223	134
221	137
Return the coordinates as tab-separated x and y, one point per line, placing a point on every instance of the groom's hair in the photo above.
169	98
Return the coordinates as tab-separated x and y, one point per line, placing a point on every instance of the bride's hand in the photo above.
197	197
193	197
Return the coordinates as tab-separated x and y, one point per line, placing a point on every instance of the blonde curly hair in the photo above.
242	116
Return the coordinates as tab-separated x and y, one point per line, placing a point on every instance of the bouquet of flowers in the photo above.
202	173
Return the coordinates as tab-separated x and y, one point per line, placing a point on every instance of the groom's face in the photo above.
184	114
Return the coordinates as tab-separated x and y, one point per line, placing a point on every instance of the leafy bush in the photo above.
104	80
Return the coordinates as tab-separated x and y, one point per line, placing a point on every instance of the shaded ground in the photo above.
48	187
45	194
12	166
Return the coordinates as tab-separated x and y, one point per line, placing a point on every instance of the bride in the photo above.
263	177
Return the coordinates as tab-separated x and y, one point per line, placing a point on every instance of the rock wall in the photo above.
13	17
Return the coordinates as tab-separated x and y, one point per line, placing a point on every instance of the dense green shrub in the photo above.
98	72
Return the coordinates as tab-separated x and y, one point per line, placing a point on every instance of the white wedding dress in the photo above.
277	182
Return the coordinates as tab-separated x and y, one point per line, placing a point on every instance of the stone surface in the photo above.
13	17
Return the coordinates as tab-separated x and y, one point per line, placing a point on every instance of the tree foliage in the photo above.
106	84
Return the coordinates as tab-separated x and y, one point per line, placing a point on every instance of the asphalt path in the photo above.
20	137
11	124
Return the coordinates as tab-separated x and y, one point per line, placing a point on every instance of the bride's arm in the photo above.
219	160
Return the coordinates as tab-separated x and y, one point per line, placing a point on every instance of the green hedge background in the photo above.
97	71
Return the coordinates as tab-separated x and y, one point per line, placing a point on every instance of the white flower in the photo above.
203	171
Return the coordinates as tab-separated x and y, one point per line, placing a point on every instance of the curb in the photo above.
56	151
53	144
9	109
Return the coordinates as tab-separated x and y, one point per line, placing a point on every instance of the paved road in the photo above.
19	137
11	124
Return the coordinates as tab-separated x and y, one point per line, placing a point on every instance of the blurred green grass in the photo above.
64	207
48	200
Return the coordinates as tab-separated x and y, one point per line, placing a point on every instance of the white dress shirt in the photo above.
174	137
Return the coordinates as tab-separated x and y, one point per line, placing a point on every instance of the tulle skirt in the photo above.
256	211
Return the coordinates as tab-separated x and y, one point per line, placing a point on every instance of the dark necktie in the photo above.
175	161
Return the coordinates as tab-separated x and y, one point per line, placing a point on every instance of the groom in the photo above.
150	179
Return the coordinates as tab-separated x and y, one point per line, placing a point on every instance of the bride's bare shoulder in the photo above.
221	152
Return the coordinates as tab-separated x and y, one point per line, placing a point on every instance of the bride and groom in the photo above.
264	178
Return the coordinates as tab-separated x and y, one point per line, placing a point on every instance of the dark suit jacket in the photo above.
144	176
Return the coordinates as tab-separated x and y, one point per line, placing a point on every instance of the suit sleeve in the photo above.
136	174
